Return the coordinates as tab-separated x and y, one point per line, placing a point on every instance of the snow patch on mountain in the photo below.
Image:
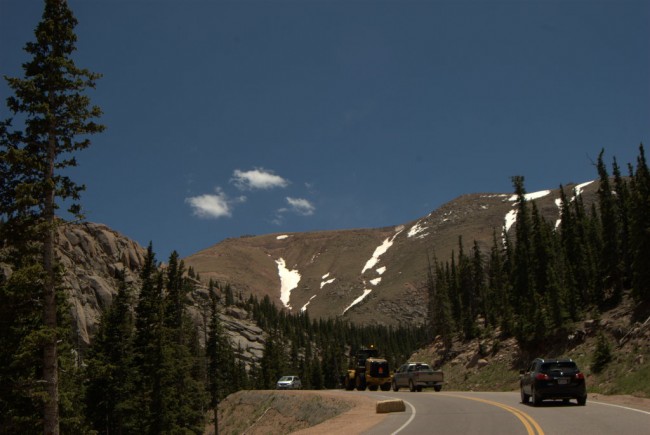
324	282
510	219
580	187
415	230
379	251
558	204
578	191
282	237
511	216
366	292
289	280
304	307
531	196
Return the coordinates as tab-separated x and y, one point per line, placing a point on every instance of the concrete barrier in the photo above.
396	405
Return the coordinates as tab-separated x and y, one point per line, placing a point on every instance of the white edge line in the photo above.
409	420
619	406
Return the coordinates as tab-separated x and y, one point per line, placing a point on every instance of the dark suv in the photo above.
553	379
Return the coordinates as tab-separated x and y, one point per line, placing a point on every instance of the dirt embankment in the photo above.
304	412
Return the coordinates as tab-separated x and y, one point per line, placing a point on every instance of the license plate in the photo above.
562	381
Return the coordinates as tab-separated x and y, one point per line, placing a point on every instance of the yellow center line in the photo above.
525	419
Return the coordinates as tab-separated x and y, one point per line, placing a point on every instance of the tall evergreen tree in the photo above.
574	255
640	229
56	117
223	377
147	358
178	396
440	317
524	292
109	363
611	266
272	364
624	215
499	309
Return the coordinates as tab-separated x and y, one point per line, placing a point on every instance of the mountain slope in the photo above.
367	275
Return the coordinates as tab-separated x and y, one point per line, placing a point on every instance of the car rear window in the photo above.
563	366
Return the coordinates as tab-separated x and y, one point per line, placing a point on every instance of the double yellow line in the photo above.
532	427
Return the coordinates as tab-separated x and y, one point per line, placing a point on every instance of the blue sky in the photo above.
229	118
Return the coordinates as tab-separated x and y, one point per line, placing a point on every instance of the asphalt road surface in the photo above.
503	413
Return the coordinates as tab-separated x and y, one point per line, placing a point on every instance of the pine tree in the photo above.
440	317
602	355
522	280
499	309
624	216
147	358
466	292
640	230
224	376
611	266
273	361
317	378
55	114
574	255
178	396
109	363
175	296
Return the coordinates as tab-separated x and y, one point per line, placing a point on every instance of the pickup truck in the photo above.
417	375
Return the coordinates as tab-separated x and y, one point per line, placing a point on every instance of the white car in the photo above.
289	383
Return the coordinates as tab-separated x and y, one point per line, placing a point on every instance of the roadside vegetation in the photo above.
492	362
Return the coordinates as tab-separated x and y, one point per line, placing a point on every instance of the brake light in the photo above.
579	375
542	377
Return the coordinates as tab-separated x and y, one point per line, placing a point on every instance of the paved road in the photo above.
503	413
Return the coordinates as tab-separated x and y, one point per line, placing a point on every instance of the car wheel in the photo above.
395	387
437	388
582	401
418	389
537	401
411	387
525	398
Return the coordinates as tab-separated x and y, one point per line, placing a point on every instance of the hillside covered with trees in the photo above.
535	286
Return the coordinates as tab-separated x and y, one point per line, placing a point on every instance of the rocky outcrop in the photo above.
93	255
247	338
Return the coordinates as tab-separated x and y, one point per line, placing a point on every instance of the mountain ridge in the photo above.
371	276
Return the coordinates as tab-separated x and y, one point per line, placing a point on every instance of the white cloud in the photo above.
257	178
301	206
212	206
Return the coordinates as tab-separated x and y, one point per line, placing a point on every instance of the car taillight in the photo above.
579	375
542	377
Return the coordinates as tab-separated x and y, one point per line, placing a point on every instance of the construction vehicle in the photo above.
367	370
